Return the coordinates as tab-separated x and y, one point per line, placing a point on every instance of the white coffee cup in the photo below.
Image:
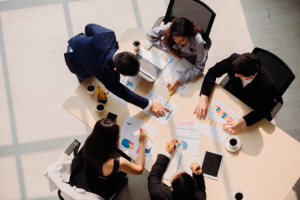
100	107
234	142
136	44
88	88
238	195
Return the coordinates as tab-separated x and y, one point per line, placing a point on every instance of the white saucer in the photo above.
232	194
229	147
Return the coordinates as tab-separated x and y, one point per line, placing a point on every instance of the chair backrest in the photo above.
195	10
82	179
281	73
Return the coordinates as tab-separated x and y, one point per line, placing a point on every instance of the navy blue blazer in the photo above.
93	56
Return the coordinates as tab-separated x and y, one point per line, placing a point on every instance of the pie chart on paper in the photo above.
182	146
127	144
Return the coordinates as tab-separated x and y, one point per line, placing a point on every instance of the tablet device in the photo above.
112	116
211	164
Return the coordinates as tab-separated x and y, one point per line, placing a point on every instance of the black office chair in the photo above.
196	11
281	73
88	182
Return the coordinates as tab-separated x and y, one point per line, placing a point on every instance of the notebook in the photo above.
180	162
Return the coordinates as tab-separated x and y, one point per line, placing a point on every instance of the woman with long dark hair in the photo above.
181	37
100	155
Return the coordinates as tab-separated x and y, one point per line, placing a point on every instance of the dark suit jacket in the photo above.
160	191
259	94
93	56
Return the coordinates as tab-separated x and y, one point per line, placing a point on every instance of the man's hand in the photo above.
173	86
233	125
195	167
158	109
175	52
201	109
170	146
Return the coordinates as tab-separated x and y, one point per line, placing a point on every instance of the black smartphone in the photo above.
111	116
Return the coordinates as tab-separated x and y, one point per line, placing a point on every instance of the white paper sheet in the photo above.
130	137
212	125
180	162
178	69
171	62
130	82
173	165
186	161
164	119
190	138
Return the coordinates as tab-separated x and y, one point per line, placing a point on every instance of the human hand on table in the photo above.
171	146
158	109
195	167
201	109
233	125
173	86
143	136
175	52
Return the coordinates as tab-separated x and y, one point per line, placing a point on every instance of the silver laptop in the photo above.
151	66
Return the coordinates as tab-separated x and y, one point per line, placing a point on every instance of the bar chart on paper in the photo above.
212	125
171	62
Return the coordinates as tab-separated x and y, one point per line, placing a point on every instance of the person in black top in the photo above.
183	186
101	159
248	81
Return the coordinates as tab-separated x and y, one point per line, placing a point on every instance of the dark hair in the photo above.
100	146
127	63
184	186
181	27
246	64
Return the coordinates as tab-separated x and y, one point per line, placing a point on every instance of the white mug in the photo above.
100	105
136	47
91	92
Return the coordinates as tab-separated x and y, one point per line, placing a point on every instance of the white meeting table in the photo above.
267	165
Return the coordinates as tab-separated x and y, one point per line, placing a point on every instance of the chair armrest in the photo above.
73	148
276	109
207	46
158	21
224	81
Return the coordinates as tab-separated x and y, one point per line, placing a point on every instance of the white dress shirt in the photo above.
246	82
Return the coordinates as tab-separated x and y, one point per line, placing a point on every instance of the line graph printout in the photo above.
190	138
166	117
176	71
171	62
130	131
212	126
130	82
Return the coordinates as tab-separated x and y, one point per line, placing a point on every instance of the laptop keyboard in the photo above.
148	66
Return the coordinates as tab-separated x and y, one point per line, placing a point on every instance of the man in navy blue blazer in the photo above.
94	54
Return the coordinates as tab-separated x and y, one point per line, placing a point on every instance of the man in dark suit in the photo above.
183	186
248	81
94	54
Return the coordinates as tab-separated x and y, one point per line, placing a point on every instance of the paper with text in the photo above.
129	142
190	138
130	82
166	117
171	62
176	71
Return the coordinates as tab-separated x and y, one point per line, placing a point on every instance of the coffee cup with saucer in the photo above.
233	143
238	195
